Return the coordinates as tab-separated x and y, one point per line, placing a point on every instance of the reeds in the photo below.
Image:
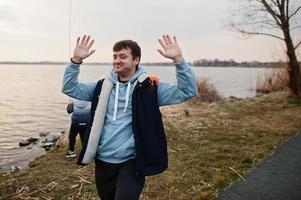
207	92
273	81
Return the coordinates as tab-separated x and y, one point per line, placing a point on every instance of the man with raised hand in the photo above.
126	136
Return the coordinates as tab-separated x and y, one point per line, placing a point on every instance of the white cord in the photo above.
116	101
127	96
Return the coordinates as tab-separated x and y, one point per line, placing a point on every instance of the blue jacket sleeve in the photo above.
73	88
183	90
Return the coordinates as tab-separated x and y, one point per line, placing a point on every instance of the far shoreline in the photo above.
224	64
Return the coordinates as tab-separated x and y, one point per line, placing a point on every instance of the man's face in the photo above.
123	63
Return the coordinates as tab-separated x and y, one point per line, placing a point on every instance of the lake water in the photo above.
31	100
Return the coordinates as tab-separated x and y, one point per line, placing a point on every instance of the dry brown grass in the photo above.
207	92
276	80
209	144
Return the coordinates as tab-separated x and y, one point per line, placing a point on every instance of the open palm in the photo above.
171	49
82	49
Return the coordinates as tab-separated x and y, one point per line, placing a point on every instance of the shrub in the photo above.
207	92
273	81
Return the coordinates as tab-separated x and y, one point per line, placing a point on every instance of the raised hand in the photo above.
171	49
82	49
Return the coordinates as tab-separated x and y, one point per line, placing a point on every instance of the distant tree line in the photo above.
197	63
233	63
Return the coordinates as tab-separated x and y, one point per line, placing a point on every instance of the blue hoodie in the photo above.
116	143
81	111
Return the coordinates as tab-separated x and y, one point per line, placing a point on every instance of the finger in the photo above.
175	39
87	40
169	39
165	39
162	52
162	43
83	40
90	44
77	41
91	52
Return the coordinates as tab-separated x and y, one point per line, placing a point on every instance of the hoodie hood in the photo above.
130	87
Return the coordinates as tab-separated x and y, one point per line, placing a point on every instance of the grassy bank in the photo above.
209	145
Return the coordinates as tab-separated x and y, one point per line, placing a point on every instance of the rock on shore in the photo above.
31	148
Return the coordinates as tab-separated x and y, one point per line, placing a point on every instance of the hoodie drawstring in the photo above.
127	96
116	101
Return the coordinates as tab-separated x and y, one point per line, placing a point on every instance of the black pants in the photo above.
76	128
118	181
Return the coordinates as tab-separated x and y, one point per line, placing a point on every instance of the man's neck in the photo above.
124	78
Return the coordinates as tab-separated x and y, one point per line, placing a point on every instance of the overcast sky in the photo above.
35	30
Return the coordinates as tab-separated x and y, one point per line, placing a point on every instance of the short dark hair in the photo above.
132	45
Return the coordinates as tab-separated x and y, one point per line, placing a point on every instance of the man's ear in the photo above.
137	60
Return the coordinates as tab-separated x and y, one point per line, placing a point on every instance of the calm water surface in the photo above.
31	100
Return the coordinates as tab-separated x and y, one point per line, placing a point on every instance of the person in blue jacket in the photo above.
125	135
79	122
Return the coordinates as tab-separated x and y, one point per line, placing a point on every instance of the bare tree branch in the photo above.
295	12
297	45
266	34
263	23
277	3
257	33
272	12
281	8
286	11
